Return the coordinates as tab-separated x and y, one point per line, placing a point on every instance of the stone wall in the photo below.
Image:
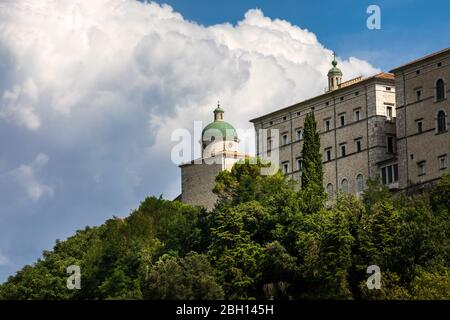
197	183
370	98
428	146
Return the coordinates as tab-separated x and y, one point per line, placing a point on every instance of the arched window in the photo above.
441	122
344	185
330	190
359	183
440	89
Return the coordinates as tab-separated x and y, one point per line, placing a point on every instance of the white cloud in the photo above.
100	85
26	176
109	80
78	55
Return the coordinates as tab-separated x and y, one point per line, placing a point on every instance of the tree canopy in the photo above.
263	240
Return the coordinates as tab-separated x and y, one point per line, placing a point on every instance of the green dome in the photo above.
334	71
227	131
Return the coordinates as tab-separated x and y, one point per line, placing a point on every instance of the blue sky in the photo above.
92	91
409	29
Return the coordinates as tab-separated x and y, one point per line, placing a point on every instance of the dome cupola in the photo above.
219	129
219	136
334	75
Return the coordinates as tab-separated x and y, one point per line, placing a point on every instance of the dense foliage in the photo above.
263	240
312	171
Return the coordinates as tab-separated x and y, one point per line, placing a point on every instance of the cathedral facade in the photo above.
392	126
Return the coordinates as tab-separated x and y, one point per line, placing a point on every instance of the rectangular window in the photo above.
342	120
343	149
269	144
358	145
389	174
328	154
383	175
285	139
389	112
327	124
357	114
285	167
442	162
299	164
419	94
298	134
390	144
419	125
421	168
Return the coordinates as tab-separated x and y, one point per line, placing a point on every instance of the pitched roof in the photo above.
381	75
409	64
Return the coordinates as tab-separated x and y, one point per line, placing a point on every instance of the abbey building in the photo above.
356	122
423	106
392	126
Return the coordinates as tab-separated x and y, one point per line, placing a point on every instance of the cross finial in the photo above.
334	62
218	103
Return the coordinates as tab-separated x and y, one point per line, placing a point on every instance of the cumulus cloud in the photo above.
99	86
106	54
26	176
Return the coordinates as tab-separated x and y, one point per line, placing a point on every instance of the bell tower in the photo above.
334	75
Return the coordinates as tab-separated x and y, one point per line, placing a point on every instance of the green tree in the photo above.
431	286
312	171
324	247
234	255
440	196
375	193
188	278
377	234
263	240
420	241
391	288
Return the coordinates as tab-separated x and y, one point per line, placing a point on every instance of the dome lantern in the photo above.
218	113
219	136
334	75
